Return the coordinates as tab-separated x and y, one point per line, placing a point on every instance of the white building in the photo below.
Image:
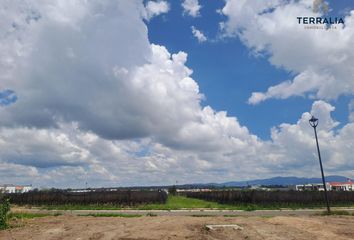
10	188
311	187
342	186
331	186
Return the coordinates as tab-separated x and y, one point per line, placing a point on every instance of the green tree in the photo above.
4	210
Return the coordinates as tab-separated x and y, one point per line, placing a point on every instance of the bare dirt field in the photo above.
181	227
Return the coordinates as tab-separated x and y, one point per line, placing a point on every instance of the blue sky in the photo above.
103	91
7	97
227	72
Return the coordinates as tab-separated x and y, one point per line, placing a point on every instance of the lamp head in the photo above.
313	122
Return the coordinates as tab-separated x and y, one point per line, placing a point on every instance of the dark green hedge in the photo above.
272	197
121	197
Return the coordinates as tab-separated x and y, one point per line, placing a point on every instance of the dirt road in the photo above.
182	227
188	212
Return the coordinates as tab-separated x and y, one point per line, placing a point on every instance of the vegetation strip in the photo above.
26	215
111	215
336	212
184	203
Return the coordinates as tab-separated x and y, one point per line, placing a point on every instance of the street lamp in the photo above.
314	122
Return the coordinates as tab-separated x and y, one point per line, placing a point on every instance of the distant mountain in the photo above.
282	181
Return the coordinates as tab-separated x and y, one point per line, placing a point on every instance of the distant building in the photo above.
10	188
342	186
194	190
311	187
331	186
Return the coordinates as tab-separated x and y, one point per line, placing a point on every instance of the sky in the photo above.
133	92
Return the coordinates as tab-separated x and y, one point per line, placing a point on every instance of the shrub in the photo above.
4	210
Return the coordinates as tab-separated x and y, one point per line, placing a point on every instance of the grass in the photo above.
336	212
16	218
82	207
112	215
180	202
23	215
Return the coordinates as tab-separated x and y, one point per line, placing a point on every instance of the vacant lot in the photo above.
181	227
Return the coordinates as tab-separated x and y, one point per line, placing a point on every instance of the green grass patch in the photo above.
23	215
82	207
336	212
112	215
179	202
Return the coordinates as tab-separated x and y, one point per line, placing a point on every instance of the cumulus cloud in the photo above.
100	78
191	7
320	59
104	84
45	156
221	148
198	35
98	106
296	145
155	8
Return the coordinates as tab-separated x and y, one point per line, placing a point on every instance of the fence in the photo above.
272	197
124	197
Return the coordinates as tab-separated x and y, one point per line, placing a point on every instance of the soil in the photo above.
181	227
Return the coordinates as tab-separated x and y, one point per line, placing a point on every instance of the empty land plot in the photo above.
181	227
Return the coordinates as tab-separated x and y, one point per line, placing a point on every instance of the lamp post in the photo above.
314	122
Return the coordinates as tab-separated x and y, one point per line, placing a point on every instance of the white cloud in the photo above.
320	59
112	109
104	84
121	77
306	81
191	7
198	35
155	8
296	145
220	148
46	156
